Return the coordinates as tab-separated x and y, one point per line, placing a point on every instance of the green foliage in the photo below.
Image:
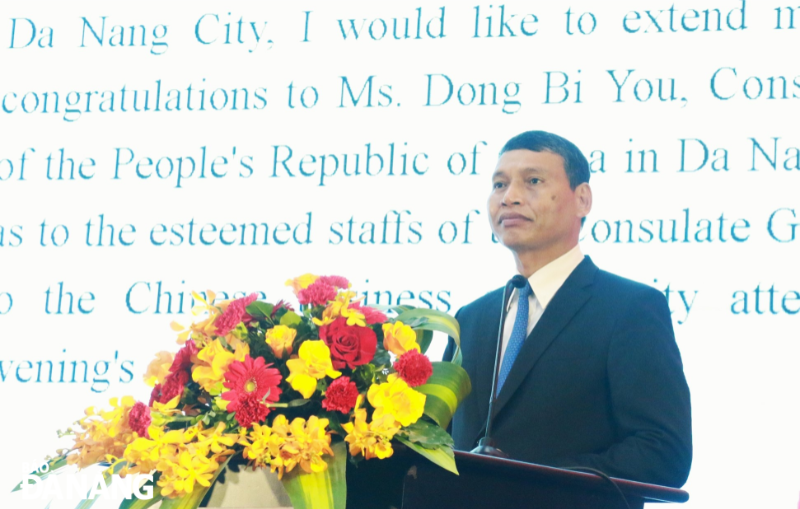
436	321
291	319
427	435
442	456
135	503
424	338
260	310
52	465
445	390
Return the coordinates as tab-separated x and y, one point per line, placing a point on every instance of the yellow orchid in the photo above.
214	440
314	363
301	282
299	443
394	397
216	359
182	476
280	339
341	307
201	331
399	338
260	445
158	369
106	433
373	440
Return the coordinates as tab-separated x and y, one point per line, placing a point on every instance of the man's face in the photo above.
532	207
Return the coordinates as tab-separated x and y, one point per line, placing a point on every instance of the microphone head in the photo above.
518	281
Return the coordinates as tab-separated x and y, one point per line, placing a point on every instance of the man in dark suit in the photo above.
590	372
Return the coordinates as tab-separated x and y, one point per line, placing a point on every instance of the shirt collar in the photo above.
546	281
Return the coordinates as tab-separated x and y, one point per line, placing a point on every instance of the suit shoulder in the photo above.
624	288
495	296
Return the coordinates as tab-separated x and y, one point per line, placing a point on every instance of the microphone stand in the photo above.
486	445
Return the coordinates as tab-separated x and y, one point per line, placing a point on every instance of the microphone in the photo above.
486	445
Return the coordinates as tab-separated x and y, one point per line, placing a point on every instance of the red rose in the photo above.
350	346
414	368
341	395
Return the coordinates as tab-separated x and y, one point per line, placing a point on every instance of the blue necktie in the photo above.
518	335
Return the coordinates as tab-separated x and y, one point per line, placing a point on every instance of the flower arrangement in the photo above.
295	391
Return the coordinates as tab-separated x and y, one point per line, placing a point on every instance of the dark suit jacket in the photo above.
598	383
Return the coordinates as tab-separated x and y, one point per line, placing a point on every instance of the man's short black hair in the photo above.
575	163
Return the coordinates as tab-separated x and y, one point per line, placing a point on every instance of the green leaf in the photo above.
445	390
52	465
259	309
398	309
436	321
193	499
424	338
135	503
89	502
442	456
323	490
427	434
291	319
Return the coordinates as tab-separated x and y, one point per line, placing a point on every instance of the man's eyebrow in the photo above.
527	171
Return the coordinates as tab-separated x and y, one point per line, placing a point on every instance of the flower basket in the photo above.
302	392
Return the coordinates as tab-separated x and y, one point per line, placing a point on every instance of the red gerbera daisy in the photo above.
251	384
414	368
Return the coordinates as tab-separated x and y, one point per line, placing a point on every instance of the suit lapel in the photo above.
569	299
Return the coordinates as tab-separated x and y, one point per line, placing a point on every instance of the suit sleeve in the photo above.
451	345
649	398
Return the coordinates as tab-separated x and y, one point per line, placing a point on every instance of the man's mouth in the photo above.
513	219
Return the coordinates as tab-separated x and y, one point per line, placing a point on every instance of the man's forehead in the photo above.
528	161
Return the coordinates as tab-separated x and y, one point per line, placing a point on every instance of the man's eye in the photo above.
497	185
535	180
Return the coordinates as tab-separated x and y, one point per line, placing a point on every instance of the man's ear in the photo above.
583	198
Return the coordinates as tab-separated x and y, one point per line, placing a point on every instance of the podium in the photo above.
408	481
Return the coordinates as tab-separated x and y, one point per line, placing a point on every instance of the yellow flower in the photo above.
200	331
280	339
160	446
301	282
105	434
341	307
373	440
394	397
181	477
158	369
260	445
299	443
399	338
314	364
216	359
216	441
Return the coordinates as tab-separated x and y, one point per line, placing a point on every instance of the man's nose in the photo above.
513	194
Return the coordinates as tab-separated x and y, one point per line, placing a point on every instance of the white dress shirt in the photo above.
545	282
